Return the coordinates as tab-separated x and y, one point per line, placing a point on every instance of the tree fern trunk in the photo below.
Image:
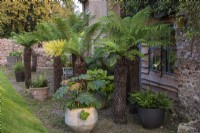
133	71
73	63
27	66
57	69
79	66
34	61
119	99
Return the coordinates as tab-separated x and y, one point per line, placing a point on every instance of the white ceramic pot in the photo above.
72	119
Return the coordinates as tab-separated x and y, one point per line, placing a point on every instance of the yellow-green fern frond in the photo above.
54	48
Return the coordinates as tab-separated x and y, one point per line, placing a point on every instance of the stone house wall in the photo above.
7	46
188	81
188	76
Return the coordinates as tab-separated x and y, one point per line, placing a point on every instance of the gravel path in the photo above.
52	115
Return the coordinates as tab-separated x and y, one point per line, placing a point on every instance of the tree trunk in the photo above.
57	69
27	66
119	99
34	61
133	72
79	66
73	63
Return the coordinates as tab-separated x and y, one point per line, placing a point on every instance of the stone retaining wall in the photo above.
7	46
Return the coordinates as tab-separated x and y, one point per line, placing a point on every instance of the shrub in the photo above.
39	81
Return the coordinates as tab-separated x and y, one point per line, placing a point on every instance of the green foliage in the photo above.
189	16
98	81
16	117
39	81
76	93
79	37
19	67
22	16
149	99
131	7
123	34
25	39
84	115
15	53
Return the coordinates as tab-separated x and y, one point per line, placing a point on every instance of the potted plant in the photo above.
19	71
13	57
151	107
80	115
39	88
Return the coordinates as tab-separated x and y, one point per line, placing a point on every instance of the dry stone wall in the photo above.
7	46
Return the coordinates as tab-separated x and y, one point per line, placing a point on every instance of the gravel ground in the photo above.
51	113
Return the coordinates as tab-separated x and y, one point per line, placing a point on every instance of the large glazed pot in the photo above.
12	60
40	94
72	120
19	76
151	118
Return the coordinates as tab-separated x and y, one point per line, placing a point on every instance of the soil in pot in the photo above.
72	120
151	118
19	76
40	94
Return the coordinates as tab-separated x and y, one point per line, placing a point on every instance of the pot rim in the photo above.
39	88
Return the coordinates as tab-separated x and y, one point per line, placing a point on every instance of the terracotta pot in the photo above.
40	94
72	120
19	76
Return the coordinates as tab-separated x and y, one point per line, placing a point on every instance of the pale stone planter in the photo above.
40	94
72	120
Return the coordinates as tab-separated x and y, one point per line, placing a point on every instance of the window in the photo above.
155	58
162	59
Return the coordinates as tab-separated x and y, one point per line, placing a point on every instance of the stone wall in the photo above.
188	78
7	46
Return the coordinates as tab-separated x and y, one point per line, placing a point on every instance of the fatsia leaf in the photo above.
96	85
86	98
60	92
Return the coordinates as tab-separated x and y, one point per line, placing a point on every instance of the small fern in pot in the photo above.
19	71
151	107
39	88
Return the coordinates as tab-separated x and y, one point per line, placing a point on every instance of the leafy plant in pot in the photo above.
19	71
39	88
81	115
151	107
